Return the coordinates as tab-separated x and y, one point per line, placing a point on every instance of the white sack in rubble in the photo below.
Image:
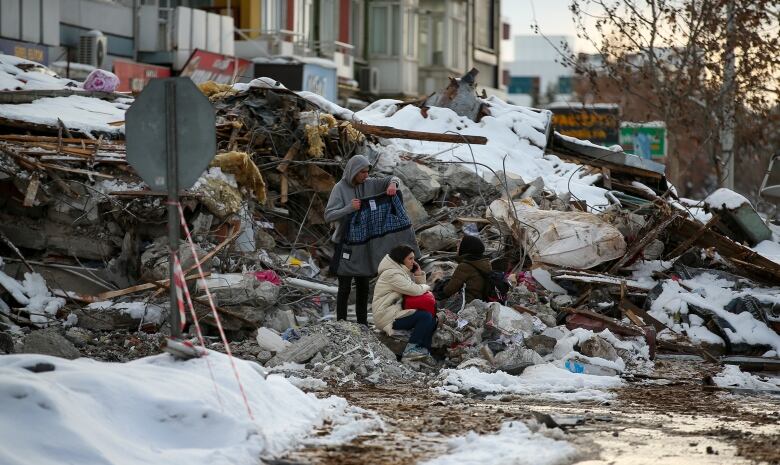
570	239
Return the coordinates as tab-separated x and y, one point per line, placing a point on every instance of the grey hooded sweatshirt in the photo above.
340	200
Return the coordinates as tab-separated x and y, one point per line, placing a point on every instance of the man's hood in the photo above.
388	263
354	165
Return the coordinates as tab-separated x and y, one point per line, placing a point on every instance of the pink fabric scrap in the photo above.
268	275
102	81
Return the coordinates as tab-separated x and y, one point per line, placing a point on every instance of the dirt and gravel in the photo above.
667	418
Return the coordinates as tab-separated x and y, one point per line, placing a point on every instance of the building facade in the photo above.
352	51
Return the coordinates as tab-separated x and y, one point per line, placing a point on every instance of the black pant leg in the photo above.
361	303
342	298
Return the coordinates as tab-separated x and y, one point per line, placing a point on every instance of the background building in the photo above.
537	74
352	51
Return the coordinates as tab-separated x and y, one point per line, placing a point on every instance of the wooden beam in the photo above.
686	244
393	133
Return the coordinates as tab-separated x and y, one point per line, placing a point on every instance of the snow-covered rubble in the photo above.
155	410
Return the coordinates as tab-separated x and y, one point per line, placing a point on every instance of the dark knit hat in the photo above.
471	245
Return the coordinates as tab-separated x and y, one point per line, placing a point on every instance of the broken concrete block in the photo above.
542	345
516	359
439	237
49	342
479	363
302	351
154	260
422	181
263	240
508	182
414	209
463	178
510	321
598	347
80	337
6	343
248	291
108	319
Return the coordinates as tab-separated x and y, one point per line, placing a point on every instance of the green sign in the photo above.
646	140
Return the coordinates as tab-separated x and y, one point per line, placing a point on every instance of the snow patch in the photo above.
513	444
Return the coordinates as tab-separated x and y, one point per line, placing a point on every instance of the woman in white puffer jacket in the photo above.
399	276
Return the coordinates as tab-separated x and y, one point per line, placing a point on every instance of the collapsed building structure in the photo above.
591	238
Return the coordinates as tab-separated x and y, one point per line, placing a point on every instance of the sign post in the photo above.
171	139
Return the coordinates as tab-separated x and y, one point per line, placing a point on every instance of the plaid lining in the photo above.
366	224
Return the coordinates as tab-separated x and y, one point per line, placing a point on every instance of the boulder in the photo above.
516	359
598	347
80	337
414	209
302	351
422	181
463	179
49	342
542	345
439	237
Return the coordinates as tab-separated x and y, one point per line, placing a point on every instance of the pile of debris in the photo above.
592	239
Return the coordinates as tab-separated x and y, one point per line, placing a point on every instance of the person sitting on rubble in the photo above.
345	199
399	276
472	268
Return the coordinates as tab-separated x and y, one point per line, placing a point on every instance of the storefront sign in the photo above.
646	140
597	123
133	76
25	50
207	66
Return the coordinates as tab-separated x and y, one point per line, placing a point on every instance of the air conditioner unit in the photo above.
368	80
93	46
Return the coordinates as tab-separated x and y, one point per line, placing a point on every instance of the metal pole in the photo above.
728	122
173	198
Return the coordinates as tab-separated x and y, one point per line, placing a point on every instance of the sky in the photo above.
553	17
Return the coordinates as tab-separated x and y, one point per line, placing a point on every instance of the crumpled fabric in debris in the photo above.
240	165
100	80
570	239
268	275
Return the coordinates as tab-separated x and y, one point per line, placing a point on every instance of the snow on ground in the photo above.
33	294
85	114
514	444
155	410
713	294
732	376
546	381
515	135
148	312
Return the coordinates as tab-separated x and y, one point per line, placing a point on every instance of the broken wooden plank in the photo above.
140	287
626	306
291	153
76	170
393	133
32	190
753	264
688	243
645	239
611	323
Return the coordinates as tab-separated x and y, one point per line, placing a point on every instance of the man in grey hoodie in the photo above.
345	199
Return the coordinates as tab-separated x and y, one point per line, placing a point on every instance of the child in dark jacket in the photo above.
472	268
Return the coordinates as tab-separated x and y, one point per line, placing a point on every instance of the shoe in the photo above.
413	352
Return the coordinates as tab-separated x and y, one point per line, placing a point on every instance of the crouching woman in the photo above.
399	276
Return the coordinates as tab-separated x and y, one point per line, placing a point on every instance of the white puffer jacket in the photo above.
395	281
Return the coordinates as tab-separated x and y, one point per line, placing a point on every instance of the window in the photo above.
411	33
378	29
275	14
385	30
524	85
564	85
356	32
328	17
484	24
